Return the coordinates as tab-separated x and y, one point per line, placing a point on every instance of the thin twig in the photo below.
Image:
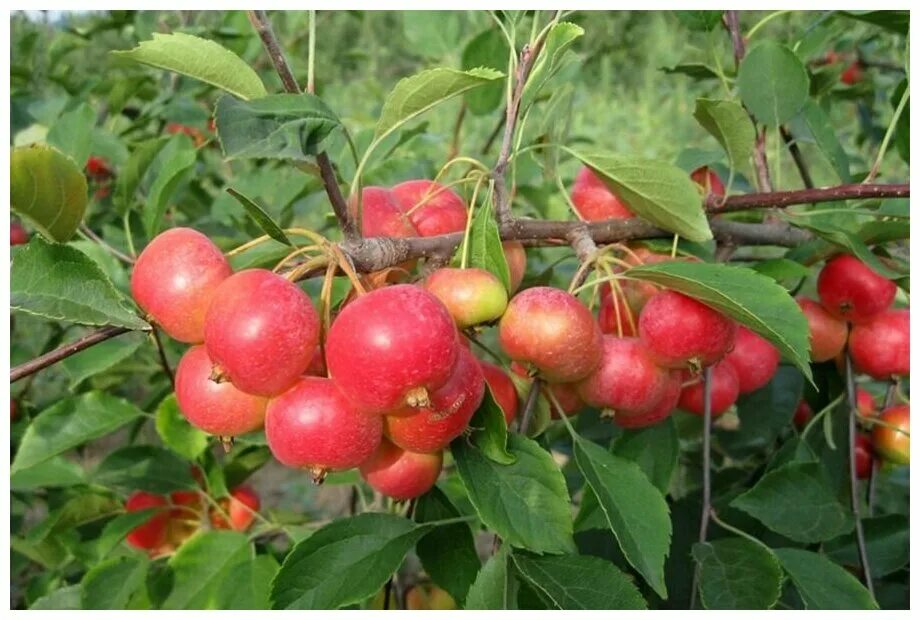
162	353
848	191
86	230
530	403
707	478
63	352
797	156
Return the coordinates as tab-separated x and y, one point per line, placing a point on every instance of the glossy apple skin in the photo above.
175	279
627	379
313	425
708	180
18	234
552	330
862	453
216	408
851	291
472	296
424	597
502	388
381	215
662	410
516	257
802	415
890	444
262	331
826	333
429	429
432	208
401	474
594	201
865	403
239	508
754	359
151	534
724	391
881	347
678	330
389	342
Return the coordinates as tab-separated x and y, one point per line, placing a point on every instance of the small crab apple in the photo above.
627	379
680	331
862	453
391	347
381	215
516	257
552	330
431	428
826	333
239	508
153	533
708	181
98	168
881	347
194	133
429	596
184	517
174	281
472	296
891	439
662	410
314	426
261	331
502	388
755	359
724	391
852	291
18	234
217	408
865	403
401	474
802	415
853	74
432	208
566	394
594	201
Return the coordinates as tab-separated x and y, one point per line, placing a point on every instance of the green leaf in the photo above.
100	357
797	502
736	573
132	172
505	495
579	582
63	284
67	597
53	473
201	59
821	583
752	299
419	93
887	544
819	124
730	125
48	189
261	218
558	40
344	562
494	587
201	566
773	83
695	70
485	246
72	133
703	21
895	21
176	432
286	126
634	509
782	269
112	583
116	530
247	585
654	449
487	49
843	238
147	468
656	191
491	434
177	159
76	511
70	423
448	553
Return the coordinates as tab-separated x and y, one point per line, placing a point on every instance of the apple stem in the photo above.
707	478
529	405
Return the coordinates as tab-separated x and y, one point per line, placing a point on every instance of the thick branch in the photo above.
55	356
742	202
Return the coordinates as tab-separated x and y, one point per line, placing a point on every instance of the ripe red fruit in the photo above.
174	281
892	441
430	596
18	234
401	474
502	388
217	408
627	379
862	454
679	330
194	133
381	215
516	257
566	394
662	410
708	180
239	508
429	429
851	291
432	208
261	331
755	359
803	414
152	533
612	315
472	296
852	74
184	517
98	168
724	391
594	201
392	347
314	426
826	333
552	330
881	347
865	403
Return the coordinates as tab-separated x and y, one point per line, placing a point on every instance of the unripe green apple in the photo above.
472	296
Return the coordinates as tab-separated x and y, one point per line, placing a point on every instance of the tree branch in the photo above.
850	191
797	157
52	357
